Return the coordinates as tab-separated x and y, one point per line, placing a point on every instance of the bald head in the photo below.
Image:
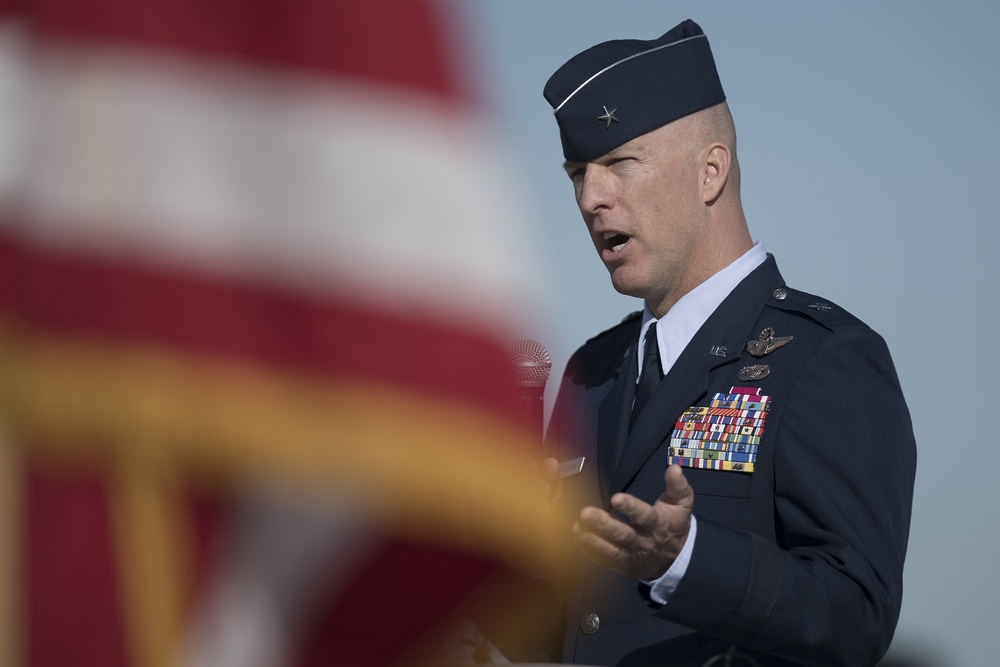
708	128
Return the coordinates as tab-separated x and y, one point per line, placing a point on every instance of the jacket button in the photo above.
780	294
589	623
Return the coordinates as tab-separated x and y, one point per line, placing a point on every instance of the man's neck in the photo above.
662	306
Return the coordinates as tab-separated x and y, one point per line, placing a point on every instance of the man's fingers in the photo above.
548	478
595	546
648	518
678	491
639	513
603	525
549	470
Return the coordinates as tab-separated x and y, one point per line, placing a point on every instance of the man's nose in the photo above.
594	192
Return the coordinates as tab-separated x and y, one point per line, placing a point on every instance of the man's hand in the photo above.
550	492
548	472
645	547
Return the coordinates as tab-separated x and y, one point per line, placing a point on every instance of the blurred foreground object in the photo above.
255	286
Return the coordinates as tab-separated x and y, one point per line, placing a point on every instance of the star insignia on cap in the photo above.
609	117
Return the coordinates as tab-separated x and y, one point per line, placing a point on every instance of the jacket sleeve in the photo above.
828	590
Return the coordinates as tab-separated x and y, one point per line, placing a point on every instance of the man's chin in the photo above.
627	287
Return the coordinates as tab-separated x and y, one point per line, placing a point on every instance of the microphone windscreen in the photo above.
530	362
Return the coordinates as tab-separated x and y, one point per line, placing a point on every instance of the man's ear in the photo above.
715	171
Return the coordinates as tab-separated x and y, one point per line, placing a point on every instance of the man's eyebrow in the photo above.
611	153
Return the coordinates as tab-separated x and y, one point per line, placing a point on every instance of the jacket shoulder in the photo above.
817	309
602	354
627	323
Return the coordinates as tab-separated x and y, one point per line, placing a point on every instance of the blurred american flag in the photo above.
257	273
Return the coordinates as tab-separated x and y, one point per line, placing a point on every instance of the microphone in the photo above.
531	364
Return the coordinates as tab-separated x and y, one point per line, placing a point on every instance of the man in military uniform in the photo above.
749	455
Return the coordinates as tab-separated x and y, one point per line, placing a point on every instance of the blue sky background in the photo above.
869	144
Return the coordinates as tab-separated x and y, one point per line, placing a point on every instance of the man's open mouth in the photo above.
615	241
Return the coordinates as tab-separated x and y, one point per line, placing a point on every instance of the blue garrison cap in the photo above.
619	90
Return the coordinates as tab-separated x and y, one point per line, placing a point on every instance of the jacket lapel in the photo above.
685	383
727	329
613	417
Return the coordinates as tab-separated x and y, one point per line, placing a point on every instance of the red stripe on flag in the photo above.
137	303
408	608
72	602
395	42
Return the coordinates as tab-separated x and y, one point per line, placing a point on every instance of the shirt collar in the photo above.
676	329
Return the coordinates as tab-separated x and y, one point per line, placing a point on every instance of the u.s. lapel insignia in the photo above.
767	343
756	372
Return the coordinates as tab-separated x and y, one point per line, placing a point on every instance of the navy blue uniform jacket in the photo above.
802	560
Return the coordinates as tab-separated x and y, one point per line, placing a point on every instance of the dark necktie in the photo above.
651	375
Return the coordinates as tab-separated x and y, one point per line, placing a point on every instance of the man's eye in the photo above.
577	173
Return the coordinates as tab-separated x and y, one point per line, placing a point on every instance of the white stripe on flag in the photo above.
308	180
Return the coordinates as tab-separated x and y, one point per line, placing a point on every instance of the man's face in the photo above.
642	206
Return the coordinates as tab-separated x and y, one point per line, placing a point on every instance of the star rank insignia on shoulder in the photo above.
767	343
